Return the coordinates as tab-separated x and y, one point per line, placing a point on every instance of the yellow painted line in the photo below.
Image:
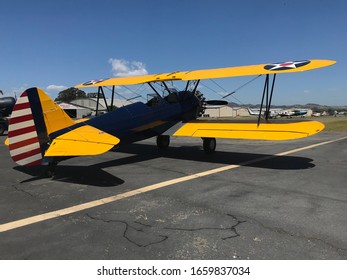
106	200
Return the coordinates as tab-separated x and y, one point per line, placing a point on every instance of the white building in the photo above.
91	103
225	112
75	111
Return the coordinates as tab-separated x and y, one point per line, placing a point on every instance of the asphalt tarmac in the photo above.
249	200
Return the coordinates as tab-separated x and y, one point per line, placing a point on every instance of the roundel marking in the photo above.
286	65
93	82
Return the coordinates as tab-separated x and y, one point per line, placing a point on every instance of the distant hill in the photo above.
312	106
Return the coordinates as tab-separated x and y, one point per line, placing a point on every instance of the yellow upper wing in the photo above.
250	70
260	69
133	80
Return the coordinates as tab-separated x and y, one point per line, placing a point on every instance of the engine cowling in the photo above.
6	106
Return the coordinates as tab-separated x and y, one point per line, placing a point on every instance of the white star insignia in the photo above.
286	65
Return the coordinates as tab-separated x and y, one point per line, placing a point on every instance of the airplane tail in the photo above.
251	112
34	117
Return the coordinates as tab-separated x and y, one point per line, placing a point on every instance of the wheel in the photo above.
163	141
50	170
49	173
209	145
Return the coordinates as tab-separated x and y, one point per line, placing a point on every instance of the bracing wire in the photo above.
117	93
234	91
137	92
221	95
132	91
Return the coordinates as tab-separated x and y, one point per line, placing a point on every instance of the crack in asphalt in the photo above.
131	232
232	228
128	228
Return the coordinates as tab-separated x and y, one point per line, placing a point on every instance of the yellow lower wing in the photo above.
265	131
83	141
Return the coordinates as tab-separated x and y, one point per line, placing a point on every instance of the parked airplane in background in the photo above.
293	113
341	113
271	114
40	132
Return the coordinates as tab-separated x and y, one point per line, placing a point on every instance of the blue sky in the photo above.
57	44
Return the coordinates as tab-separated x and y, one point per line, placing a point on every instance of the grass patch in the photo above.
334	123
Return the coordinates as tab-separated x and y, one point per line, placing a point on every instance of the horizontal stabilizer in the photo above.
242	130
82	141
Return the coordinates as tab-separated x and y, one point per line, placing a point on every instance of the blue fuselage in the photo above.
140	121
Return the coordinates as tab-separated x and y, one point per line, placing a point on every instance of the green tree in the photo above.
70	94
92	95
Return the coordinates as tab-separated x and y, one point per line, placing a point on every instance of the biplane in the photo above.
293	113
41	133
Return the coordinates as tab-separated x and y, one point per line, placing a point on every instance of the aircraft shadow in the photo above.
94	175
143	152
82	175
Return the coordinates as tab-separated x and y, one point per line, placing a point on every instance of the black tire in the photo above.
209	145
50	170
50	173
163	141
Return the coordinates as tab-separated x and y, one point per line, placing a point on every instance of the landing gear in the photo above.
50	171
163	142
209	145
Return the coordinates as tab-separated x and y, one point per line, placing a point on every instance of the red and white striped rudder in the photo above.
24	144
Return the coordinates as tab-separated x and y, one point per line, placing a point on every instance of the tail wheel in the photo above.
209	145
163	141
50	170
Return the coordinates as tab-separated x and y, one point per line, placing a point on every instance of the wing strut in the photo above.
192	85
268	98
187	86
112	99
166	87
101	92
196	86
153	88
